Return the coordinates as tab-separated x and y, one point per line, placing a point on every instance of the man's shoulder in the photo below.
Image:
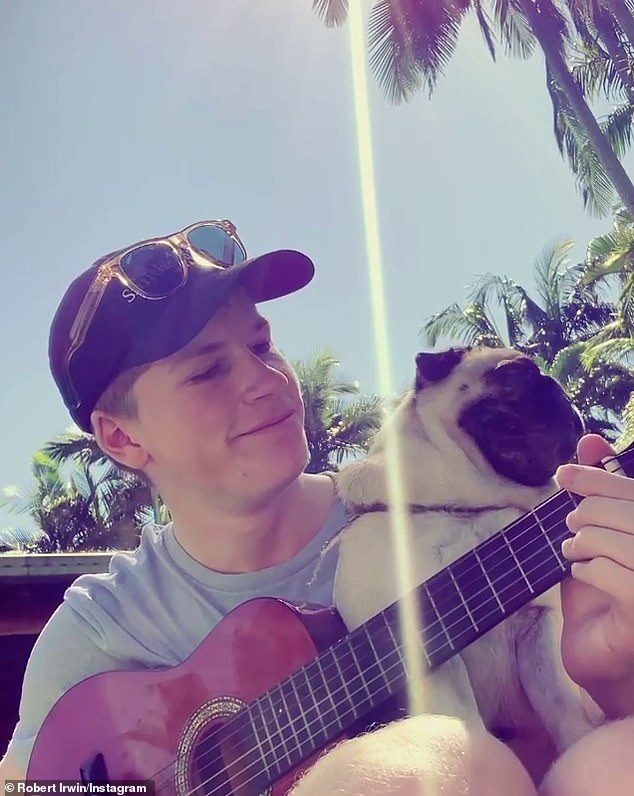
125	602
125	568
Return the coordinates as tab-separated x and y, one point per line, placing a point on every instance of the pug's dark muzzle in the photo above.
526	427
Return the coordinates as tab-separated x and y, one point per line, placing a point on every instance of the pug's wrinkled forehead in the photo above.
473	361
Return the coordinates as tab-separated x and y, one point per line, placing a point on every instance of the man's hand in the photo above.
598	600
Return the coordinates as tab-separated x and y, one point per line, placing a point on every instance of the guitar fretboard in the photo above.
459	604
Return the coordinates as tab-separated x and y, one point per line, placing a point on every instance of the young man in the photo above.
161	352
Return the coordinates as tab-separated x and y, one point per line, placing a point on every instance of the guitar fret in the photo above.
448	603
302	683
474	588
315	704
322	685
488	579
378	659
507	574
262	735
368	660
342	679
395	645
288	716
462	599
277	713
552	547
517	563
361	673
354	673
270	723
300	715
442	624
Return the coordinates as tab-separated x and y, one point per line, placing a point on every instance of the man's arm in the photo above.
66	652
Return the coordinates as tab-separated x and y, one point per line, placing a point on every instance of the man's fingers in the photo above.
608	577
592	448
585	480
592	541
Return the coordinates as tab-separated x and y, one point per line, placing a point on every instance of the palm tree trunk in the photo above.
559	69
623	16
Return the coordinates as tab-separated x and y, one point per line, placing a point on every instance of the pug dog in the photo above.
481	435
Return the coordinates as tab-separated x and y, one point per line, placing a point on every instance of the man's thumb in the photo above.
592	448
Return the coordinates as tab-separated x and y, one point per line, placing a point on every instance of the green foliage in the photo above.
566	327
339	421
76	505
589	44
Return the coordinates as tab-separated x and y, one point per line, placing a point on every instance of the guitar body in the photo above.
274	684
144	722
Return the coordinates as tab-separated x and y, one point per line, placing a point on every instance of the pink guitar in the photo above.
273	684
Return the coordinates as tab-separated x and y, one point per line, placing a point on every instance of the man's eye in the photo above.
214	370
259	349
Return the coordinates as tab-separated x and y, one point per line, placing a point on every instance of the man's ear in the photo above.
115	436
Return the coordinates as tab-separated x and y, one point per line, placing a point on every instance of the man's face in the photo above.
223	416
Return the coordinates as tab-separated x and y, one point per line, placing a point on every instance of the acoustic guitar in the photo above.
274	684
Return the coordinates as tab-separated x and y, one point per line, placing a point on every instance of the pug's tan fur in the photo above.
511	678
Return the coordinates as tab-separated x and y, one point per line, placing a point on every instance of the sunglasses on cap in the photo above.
155	269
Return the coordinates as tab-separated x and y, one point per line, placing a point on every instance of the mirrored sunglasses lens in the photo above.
154	269
216	243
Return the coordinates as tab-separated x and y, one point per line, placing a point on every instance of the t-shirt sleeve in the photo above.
65	653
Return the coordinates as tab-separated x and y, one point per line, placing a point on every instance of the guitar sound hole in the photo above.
207	766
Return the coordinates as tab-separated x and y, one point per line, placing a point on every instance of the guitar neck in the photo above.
317	703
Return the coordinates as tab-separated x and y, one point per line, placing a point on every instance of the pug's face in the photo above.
520	420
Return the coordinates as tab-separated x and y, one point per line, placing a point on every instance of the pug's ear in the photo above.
436	366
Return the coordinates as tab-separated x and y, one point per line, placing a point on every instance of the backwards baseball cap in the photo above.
145	302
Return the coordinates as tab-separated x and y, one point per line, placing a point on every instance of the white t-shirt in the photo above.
152	609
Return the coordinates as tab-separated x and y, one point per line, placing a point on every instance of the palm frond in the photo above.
627	435
607	254
484	23
412	42
568	363
20	539
615	351
595	73
469	325
617	128
77	445
332	12
548	268
515	30
591	177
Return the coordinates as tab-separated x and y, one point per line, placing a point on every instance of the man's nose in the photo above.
261	377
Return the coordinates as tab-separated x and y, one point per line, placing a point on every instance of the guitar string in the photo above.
281	728
276	739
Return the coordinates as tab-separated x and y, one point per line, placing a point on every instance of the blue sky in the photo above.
123	120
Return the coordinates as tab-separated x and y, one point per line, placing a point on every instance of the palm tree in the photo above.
564	312
601	64
600	387
78	446
338	421
610	258
81	511
558	328
412	41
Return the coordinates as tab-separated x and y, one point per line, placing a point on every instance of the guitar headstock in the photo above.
622	463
